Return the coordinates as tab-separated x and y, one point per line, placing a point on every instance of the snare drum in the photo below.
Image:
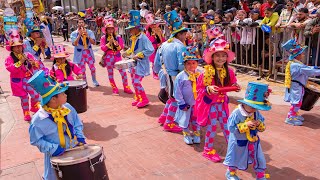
77	95
311	96
81	164
125	64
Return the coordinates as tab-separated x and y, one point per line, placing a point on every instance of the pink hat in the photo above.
14	39
218	45
213	33
58	51
107	23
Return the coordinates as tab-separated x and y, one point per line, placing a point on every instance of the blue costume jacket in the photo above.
238	153
171	52
79	48
44	134
29	48
299	72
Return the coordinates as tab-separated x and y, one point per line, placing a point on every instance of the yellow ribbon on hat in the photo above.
209	73
193	78
62	67
58	116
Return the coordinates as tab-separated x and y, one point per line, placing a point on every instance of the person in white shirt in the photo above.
143	10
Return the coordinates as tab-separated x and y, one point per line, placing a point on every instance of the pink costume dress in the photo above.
112	55
60	74
212	108
19	76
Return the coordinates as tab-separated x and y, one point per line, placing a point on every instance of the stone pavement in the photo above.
137	148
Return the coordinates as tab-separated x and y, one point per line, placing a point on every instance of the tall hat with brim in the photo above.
14	39
59	51
218	45
190	54
257	96
108	23
174	23
134	19
46	86
293	48
214	32
33	29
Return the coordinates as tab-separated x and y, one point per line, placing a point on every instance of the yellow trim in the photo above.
176	31
51	91
35	47
254	102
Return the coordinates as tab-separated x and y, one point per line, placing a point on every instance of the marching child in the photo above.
21	66
56	127
212	105
141	48
296	77
244	123
111	44
63	69
185	94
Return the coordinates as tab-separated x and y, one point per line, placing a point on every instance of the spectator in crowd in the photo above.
313	30
270	19
168	8
297	4
65	28
268	4
177	9
196	15
184	15
228	17
302	19
287	15
256	5
218	19
313	6
143	10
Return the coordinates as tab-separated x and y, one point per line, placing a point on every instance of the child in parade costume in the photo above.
169	59
21	66
111	44
141	48
62	69
34	43
296	77
56	127
155	35
185	93
82	39
244	123
213	34
211	105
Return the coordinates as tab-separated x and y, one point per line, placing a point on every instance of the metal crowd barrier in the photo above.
255	49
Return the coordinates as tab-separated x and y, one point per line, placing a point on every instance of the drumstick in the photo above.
85	146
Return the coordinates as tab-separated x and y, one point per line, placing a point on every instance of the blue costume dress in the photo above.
44	134
238	153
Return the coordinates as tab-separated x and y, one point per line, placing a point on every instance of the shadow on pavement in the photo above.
96	132
311	121
286	173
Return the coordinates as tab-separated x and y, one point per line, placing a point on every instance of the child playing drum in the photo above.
56	127
141	48
296	76
62	69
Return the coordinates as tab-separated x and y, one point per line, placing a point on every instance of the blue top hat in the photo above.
134	19
190	54
174	22
265	28
293	48
255	96
46	86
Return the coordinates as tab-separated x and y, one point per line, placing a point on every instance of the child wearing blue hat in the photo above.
140	50
296	77
244	123
56	126
185	93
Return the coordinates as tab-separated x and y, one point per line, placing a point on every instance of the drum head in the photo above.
77	156
76	83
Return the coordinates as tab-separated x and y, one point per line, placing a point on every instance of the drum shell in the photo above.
77	98
309	99
82	170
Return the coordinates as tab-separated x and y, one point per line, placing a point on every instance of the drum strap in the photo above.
298	83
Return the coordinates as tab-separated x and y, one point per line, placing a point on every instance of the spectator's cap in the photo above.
174	23
207	16
59	51
210	12
14	39
257	96
254	11
218	45
214	33
190	54
134	19
143	4
81	14
46	86
293	48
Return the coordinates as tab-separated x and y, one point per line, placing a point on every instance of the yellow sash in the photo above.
133	39
62	67
193	78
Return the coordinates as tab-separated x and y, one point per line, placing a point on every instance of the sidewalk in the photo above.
136	147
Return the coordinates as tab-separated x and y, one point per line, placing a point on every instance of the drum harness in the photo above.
298	83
